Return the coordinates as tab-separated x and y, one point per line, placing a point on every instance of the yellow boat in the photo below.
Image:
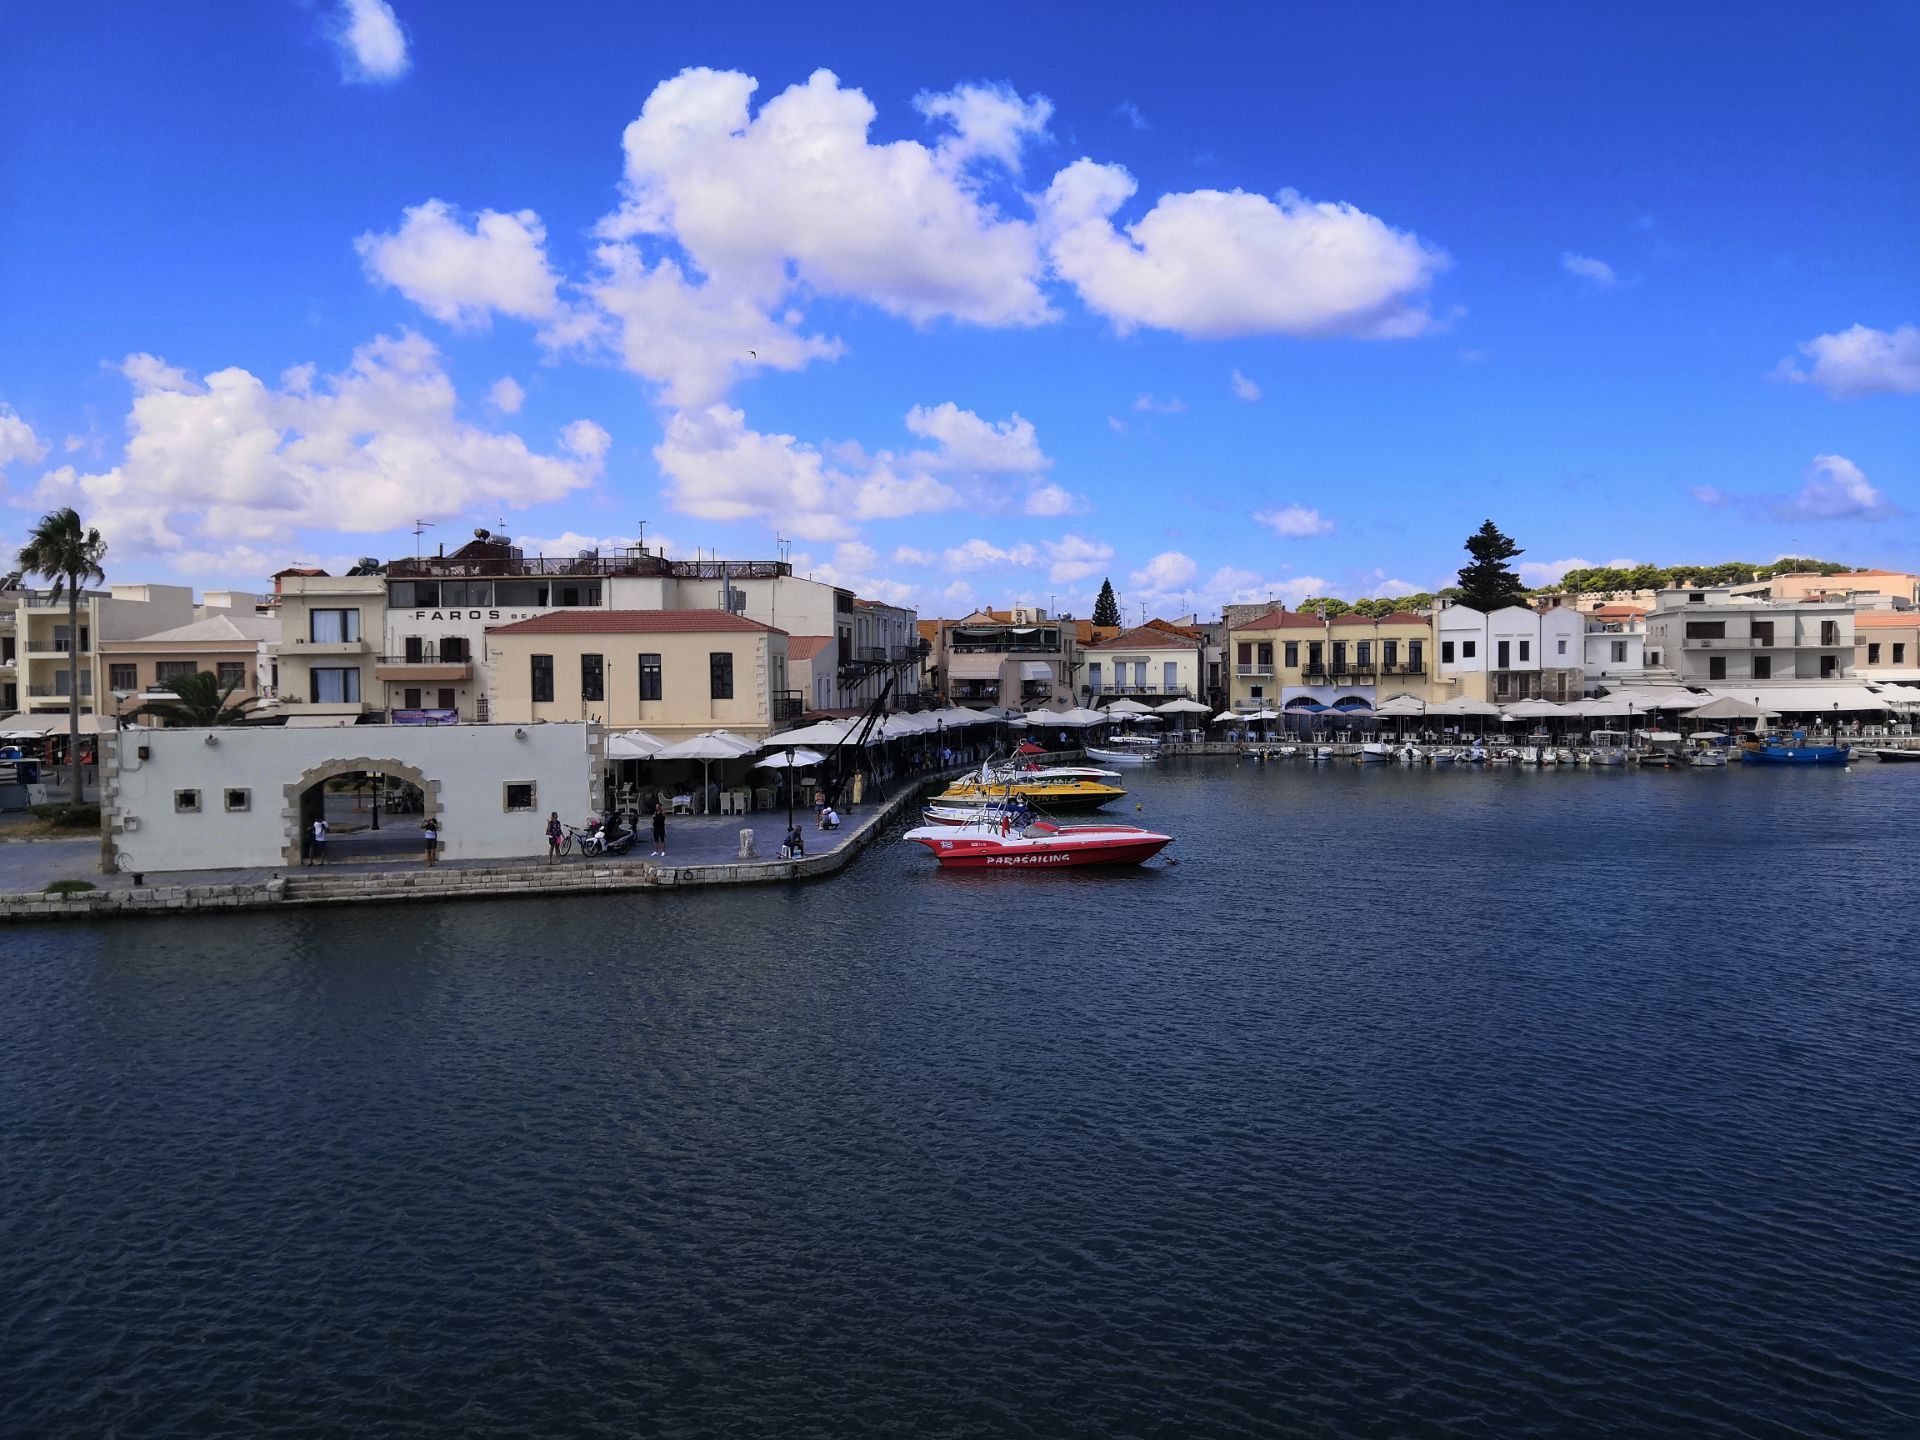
1065	787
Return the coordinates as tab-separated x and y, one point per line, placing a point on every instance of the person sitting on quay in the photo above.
829	818
795	847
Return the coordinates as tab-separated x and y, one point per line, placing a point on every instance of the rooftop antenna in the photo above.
641	541
420	527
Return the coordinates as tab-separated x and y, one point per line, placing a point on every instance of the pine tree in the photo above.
1106	610
1489	582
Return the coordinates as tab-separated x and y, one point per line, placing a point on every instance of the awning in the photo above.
1035	670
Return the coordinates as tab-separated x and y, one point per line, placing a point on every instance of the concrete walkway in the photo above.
28	866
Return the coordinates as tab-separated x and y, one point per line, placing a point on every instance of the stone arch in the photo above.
320	774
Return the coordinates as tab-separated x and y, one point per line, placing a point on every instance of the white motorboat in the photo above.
1376	750
1131	755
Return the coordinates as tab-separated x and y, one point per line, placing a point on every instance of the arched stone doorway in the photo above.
306	798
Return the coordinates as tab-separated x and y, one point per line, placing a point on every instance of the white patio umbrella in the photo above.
634	745
794	759
1465	706
707	748
1128	707
824	732
1533	710
1224	716
1727	707
1194	707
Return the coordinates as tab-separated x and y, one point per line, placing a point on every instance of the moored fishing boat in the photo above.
1794	750
993	842
1897	756
1376	750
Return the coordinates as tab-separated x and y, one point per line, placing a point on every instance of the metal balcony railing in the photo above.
1253	671
788	705
57	647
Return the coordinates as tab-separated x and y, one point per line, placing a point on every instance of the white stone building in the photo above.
1712	634
241	797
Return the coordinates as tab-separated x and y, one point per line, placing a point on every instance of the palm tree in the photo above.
199	701
69	554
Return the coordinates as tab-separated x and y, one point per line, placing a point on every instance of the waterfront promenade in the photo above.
703	850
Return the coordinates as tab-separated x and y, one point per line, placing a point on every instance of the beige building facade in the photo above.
330	634
35	676
672	673
228	647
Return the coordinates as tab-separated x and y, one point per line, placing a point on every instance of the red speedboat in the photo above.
987	843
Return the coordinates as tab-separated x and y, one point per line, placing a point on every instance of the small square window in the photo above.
238	800
518	795
186	802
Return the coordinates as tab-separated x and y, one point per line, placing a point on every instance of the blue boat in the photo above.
1796	751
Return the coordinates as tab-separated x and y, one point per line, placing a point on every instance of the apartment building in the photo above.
1886	645
1712	634
673	673
35	673
1150	663
328	657
441	607
1286	656
1514	653
1616	644
1018	658
1899	587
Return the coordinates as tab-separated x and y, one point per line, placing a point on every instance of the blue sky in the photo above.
997	306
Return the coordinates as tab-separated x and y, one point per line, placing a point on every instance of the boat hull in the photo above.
982	847
1899	757
1122	757
1795	755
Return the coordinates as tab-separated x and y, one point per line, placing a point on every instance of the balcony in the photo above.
975	691
57	647
296	648
1407	667
58	692
426	668
787	706
1253	672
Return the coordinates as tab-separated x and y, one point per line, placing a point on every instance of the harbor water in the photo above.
1427	1103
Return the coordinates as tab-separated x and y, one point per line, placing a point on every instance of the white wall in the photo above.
470	764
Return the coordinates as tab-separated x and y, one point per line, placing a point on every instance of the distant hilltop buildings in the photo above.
631	638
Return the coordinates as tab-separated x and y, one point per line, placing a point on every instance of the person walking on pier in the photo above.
320	841
659	828
430	832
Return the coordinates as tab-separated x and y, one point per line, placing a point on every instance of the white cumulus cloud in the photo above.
462	273
1051	499
1210	264
1075	557
799	193
1859	361
983	447
977	554
1295	522
989	122
1243	388
1588	268
18	443
372	45
1835	489
507	395
236	460
1549	572
1164	573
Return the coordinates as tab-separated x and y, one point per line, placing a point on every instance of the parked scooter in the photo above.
608	837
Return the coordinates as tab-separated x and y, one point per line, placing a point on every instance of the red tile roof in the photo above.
632	622
1281	620
805	647
1886	619
1145	637
1618	612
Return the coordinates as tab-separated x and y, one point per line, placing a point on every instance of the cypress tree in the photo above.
1106	610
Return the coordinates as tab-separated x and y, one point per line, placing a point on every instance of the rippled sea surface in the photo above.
1480	1104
